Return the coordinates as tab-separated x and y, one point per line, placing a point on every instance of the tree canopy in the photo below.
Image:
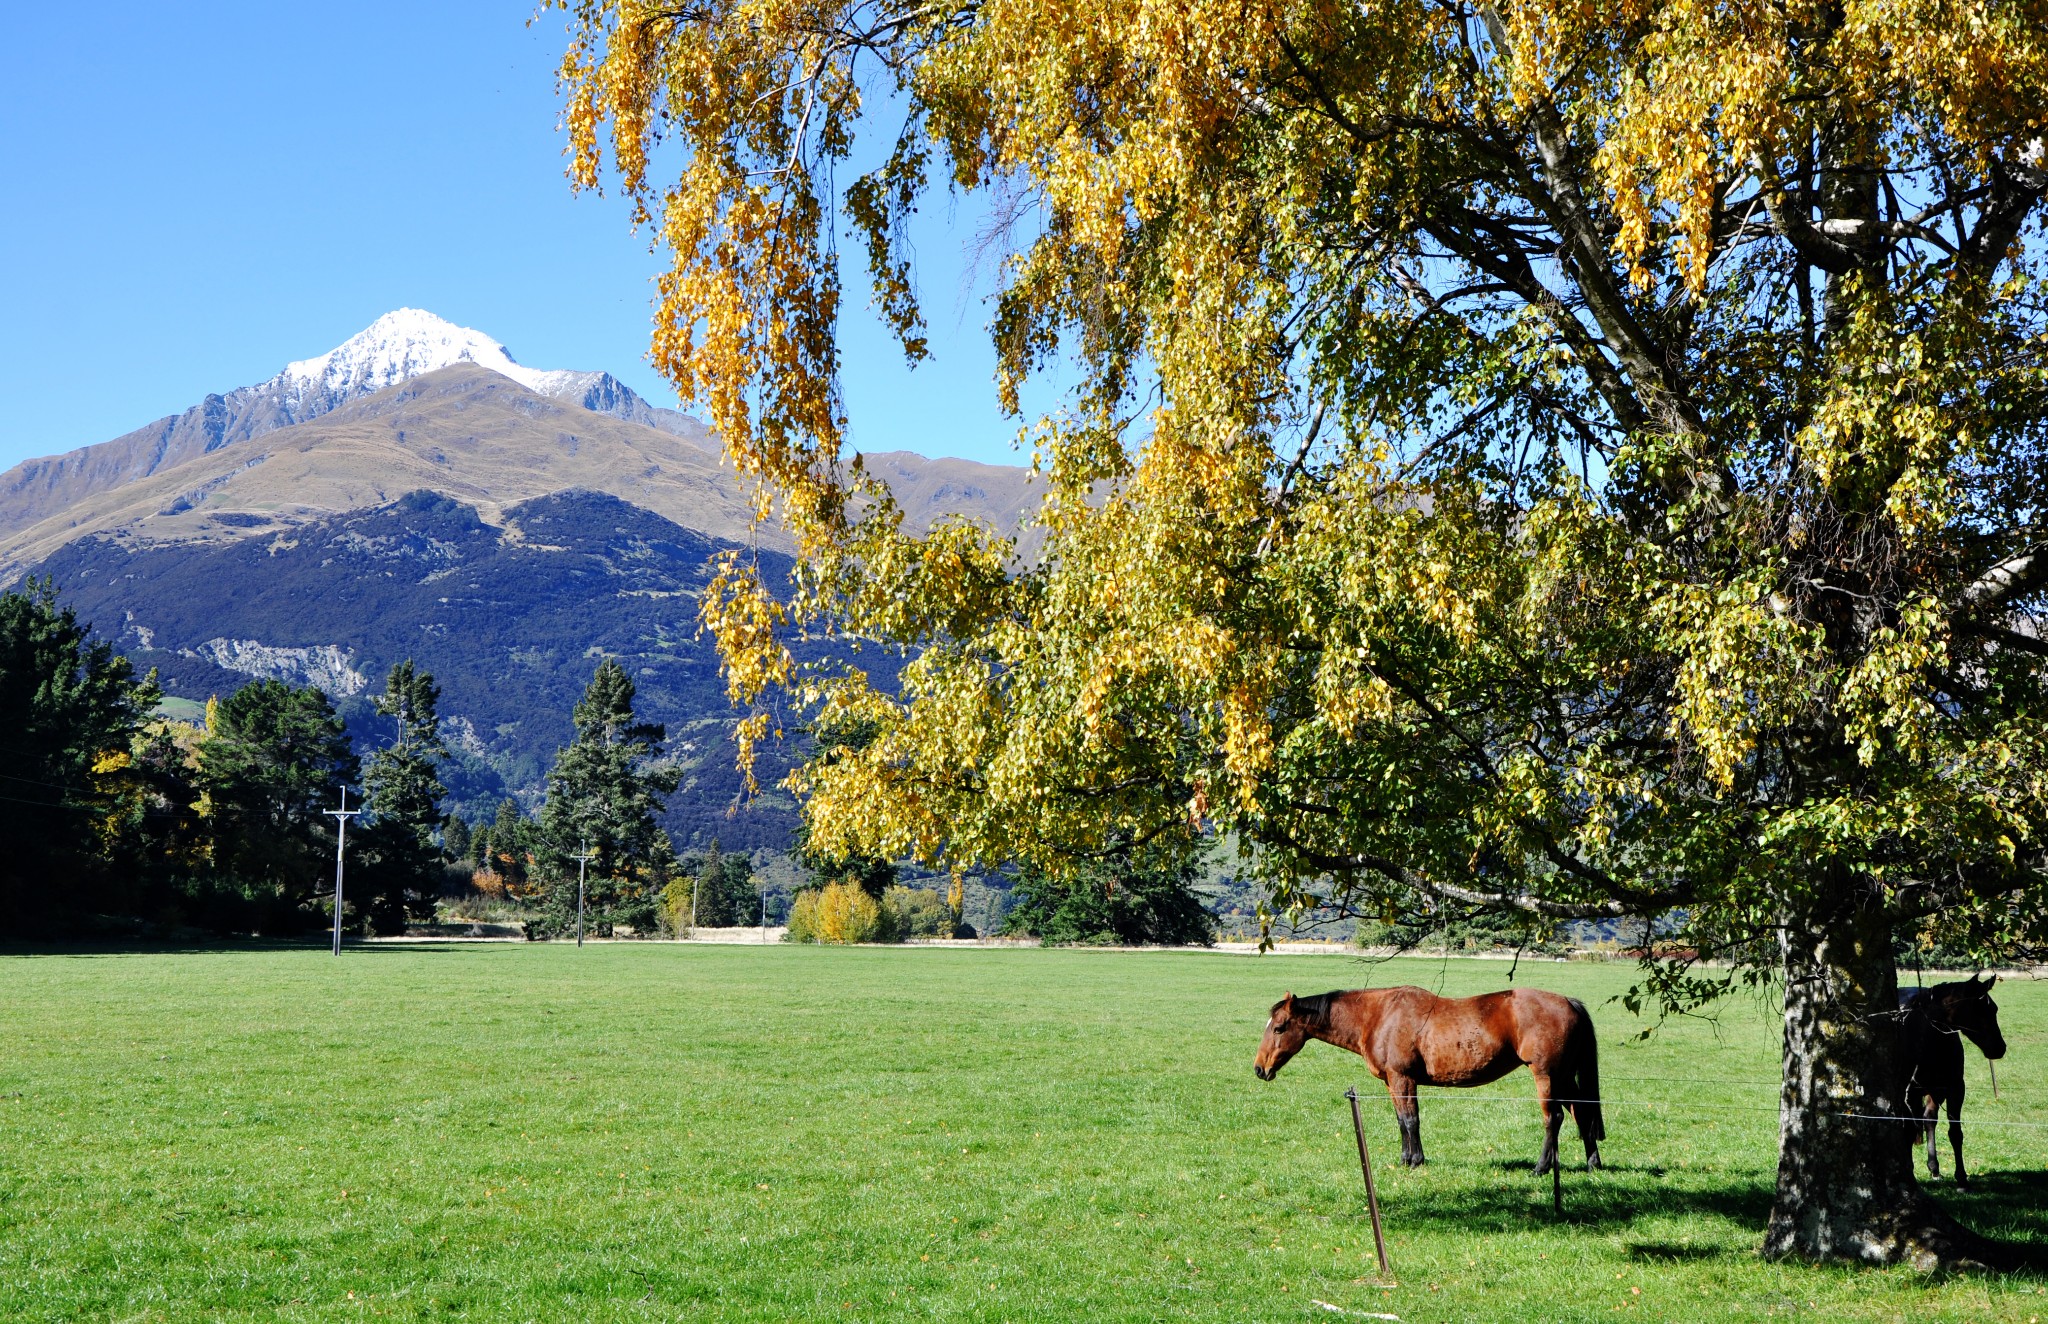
1132	897
402	870
72	786
1581	459
603	794
272	761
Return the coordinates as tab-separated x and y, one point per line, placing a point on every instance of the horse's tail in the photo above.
1582	1061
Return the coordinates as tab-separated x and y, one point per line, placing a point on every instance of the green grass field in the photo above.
650	1132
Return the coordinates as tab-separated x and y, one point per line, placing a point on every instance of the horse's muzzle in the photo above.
1263	1073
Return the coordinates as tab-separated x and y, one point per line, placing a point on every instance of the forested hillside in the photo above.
511	621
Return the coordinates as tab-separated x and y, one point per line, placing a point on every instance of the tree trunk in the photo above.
1846	1187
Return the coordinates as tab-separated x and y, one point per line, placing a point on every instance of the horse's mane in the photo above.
1969	988
1315	1010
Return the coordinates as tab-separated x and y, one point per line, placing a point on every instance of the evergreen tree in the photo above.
73	708
1133	896
455	839
602	795
505	848
401	865
164	849
720	888
274	759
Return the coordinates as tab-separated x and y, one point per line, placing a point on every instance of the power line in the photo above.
582	863
341	817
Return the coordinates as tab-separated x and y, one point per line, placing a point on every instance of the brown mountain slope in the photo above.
403	344
483	439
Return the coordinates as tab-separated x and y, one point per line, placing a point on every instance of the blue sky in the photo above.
199	194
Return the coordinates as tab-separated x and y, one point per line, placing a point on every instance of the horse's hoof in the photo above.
1592	1163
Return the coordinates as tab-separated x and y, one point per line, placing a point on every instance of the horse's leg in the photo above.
1925	1111
1553	1120
1955	1136
1408	1115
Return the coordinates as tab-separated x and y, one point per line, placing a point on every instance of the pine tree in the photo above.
454	839
602	796
401	864
715	890
505	852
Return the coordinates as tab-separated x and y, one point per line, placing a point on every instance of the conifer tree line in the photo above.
118	819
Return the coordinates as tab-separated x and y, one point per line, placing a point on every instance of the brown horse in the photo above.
1411	1037
1933	1022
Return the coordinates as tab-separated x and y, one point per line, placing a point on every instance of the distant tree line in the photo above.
118	819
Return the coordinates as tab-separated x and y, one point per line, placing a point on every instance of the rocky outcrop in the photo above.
328	666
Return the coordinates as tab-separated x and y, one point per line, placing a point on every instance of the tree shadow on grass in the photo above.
1675	1252
1613	1199
183	944
203	944
2009	1209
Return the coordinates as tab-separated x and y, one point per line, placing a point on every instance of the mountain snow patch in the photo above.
406	343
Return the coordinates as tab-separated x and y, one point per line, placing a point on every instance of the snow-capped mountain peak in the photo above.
395	348
406	343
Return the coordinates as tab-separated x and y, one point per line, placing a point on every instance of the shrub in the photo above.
674	911
918	912
803	917
840	913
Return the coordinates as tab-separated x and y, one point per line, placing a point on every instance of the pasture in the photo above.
656	1132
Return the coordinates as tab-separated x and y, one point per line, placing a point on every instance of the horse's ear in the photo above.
1287	1002
1989	980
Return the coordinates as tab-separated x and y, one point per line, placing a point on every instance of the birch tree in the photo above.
1583	459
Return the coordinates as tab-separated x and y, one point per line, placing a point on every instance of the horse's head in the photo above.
1286	1031
1968	1009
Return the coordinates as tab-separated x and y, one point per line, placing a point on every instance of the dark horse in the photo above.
1932	1025
1411	1037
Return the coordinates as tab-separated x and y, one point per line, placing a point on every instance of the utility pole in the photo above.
764	908
341	817
582	863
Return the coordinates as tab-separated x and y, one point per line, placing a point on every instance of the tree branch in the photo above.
2014	577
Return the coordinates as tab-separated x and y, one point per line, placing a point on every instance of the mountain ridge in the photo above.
401	344
414	402
479	437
